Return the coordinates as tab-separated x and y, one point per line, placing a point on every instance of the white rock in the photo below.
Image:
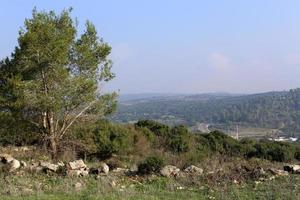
169	171
104	168
6	158
14	164
23	163
194	170
78	172
77	164
49	166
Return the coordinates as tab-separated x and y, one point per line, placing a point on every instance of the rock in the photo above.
292	168
169	171
23	164
133	168
78	172
49	166
120	170
77	164
14	164
35	167
6	158
95	171
61	164
104	168
194	170
24	149
278	172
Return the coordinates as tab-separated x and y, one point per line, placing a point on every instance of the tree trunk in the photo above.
53	144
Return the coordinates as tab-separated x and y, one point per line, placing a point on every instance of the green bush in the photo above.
150	165
177	139
275	151
222	143
157	128
110	138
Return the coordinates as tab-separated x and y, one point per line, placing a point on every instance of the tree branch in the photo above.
63	131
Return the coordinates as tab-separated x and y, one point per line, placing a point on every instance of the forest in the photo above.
280	110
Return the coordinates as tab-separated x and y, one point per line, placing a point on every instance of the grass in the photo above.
54	187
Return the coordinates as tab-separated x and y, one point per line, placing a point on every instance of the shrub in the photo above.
177	140
157	128
110	138
150	165
222	143
275	151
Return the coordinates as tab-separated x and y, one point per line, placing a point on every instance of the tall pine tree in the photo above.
52	78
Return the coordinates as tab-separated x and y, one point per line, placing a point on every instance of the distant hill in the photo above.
280	110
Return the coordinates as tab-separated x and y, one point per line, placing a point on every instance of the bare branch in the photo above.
63	131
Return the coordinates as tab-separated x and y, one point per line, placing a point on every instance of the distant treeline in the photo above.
279	110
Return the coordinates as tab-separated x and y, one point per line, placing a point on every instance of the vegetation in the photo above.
150	165
50	99
42	187
51	79
278	110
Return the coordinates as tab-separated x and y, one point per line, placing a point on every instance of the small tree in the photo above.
52	78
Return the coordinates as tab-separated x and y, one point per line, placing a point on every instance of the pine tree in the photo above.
53	77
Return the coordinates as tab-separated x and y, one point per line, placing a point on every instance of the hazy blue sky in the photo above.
185	46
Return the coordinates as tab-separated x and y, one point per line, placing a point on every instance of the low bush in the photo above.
150	165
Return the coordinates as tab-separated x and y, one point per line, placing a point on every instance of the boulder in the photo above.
104	168
23	164
49	166
61	164
292	168
278	172
194	170
14	164
6	158
77	164
78	172
169	171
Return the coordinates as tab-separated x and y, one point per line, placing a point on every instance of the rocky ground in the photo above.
38	177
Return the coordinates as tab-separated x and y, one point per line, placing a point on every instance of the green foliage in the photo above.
279	110
222	143
150	165
110	138
275	151
177	139
52	77
157	128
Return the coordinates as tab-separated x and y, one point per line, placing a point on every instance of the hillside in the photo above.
277	110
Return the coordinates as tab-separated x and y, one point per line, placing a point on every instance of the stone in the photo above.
133	168
6	158
104	168
77	164
61	164
78	172
292	168
169	171
119	170
23	164
194	170
49	166
14	164
278	172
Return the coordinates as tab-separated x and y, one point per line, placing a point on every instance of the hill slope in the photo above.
279	110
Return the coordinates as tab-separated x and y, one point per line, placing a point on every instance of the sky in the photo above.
184	46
